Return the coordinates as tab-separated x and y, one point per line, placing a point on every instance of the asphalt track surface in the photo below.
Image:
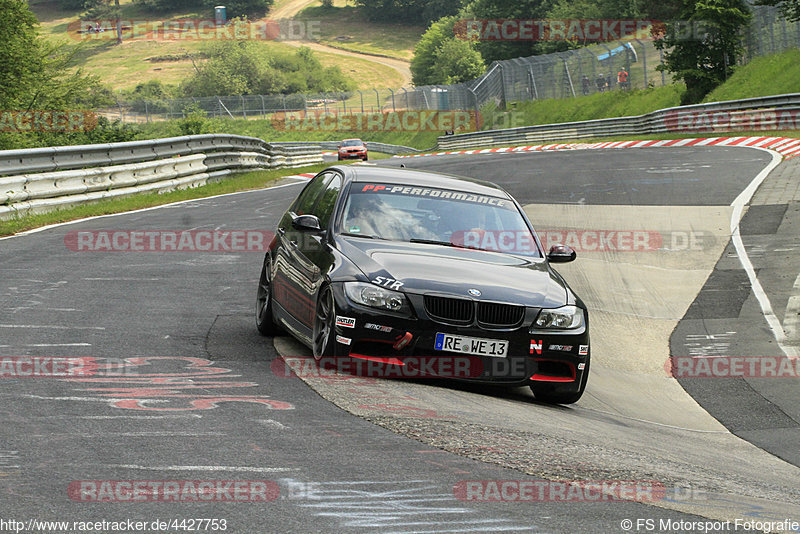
182	315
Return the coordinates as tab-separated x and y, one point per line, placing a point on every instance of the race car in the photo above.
353	149
429	272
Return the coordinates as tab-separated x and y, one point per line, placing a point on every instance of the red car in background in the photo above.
353	149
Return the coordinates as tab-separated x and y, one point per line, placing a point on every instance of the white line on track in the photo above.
48	345
763	300
244	469
52	326
103	417
791	319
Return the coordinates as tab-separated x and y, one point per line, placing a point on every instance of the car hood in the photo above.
424	268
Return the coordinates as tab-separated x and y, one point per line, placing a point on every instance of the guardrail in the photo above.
42	179
763	113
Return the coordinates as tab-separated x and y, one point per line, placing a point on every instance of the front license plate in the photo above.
471	345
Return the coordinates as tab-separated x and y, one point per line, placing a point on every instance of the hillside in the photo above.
170	61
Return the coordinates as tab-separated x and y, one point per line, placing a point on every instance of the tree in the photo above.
442	58
409	11
705	55
457	61
516	9
35	74
424	60
246	68
790	9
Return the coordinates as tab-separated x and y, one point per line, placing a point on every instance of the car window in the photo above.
327	201
308	198
455	218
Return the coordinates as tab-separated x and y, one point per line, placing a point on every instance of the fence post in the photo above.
362	101
244	111
502	85
263	107
569	78
644	61
661	59
393	108
532	79
406	93
378	95
477	109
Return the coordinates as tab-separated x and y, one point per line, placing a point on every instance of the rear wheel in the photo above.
545	391
265	322
324	342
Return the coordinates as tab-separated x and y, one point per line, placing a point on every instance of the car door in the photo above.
303	256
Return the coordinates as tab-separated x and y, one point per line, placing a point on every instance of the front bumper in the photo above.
559	358
353	155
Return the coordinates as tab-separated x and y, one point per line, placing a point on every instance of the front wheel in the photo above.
323	337
265	322
545	391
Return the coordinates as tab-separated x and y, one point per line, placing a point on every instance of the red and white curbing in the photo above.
785	146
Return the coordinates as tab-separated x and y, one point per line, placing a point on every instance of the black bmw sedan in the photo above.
429	271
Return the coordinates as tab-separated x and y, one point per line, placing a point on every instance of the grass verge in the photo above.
346	27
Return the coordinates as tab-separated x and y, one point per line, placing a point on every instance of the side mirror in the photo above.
306	223
561	254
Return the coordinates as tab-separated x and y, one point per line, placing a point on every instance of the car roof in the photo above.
394	175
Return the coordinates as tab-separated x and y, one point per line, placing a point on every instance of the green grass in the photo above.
768	75
239	182
596	106
346	27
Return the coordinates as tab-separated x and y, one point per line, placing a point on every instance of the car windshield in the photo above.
352	142
437	216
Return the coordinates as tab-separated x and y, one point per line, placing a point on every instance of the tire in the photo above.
323	337
366	158
265	322
544	391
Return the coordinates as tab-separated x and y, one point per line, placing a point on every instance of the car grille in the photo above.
462	312
500	315
459	311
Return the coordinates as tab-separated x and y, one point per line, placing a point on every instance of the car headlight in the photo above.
563	318
375	296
